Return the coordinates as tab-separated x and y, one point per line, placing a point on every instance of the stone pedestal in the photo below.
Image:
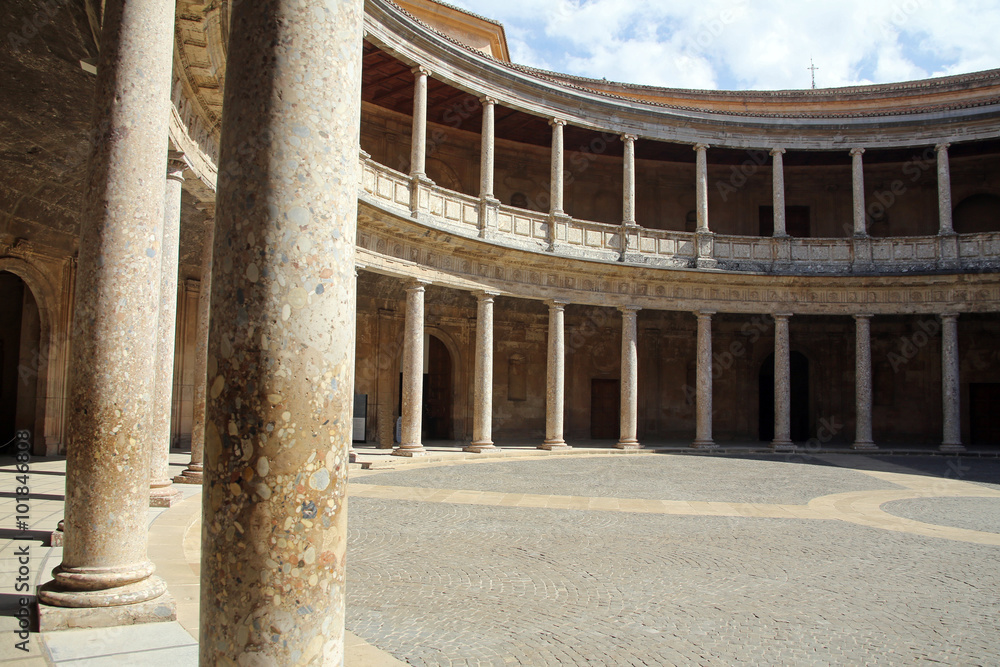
630	381
413	373
281	363
482	417
555	389
113	344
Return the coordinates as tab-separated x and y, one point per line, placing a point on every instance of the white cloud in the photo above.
739	44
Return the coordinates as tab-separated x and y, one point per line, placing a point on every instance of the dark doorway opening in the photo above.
20	362
984	406
437	392
605	409
799	367
796	221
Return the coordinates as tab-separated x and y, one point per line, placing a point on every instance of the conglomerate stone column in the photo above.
488	149
418	143
161	489
778	190
558	159
944	190
782	384
950	397
630	380
701	187
482	416
863	383
628	178
281	366
858	190
194	472
555	387
703	428
113	347
413	372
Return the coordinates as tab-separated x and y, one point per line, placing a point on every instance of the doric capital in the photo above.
701	147
416	285
948	316
554	122
782	316
629	310
942	147
486	295
862	316
777	150
704	314
857	150
420	69
557	304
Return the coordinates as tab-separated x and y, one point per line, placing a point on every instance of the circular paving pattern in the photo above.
481	583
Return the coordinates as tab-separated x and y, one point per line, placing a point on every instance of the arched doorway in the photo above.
20	360
438	392
799	367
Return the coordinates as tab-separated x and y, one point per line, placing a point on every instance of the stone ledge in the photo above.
158	610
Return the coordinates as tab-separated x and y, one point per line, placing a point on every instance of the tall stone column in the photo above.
161	488
703	428
863	383
488	149
194	472
413	372
630	380
280	366
858	190
482	416
778	190
105	569
782	384
944	190
418	142
558	158
628	196
950	387
701	187
555	387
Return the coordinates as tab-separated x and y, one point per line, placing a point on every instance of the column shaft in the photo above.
778	190
555	389
113	345
863	383
482	416
161	489
280	365
629	381
944	190
488	149
413	373
782	384
556	195
701	186
628	196
194	472
950	384
858	190
418	143
703	428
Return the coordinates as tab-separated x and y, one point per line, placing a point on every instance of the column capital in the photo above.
629	138
863	316
857	150
629	310
557	122
487	100
782	316
557	304
777	150
176	165
700	147
420	69
942	147
948	316
485	295
704	314
416	284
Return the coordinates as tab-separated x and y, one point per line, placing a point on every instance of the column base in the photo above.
410	451
628	444
550	445
478	447
952	447
704	444
160	610
164	497
193	474
783	446
865	446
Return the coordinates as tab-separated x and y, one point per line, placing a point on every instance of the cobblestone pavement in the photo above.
477	579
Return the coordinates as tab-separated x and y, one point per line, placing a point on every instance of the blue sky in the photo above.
750	44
